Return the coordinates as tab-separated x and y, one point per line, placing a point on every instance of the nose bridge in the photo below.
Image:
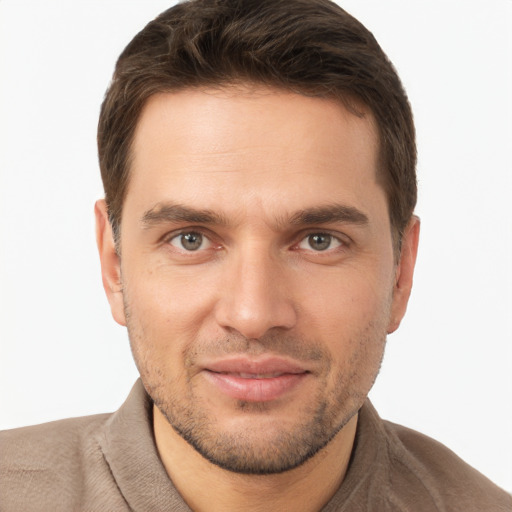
255	298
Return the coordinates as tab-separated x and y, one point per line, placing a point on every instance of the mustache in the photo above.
275	344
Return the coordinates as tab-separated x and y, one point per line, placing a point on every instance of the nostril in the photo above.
254	319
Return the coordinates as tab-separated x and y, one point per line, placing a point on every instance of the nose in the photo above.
255	297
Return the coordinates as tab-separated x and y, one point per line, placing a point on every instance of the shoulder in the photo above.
48	444
51	460
422	464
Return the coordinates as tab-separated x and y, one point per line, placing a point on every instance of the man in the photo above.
257	238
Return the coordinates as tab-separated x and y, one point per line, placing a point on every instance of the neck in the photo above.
207	487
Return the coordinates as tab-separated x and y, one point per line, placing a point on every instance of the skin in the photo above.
267	280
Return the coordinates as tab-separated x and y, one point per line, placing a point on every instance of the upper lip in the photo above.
268	365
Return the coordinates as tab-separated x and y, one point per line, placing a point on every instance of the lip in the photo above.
260	380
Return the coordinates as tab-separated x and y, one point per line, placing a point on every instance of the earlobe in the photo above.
404	273
110	262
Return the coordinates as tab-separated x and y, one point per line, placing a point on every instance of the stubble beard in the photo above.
276	450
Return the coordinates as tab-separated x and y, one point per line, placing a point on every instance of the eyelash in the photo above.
174	235
332	239
342	240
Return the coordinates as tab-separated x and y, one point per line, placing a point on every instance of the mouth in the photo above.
255	381
254	375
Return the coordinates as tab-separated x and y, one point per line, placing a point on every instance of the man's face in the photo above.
257	269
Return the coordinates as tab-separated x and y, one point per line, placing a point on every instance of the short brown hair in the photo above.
312	47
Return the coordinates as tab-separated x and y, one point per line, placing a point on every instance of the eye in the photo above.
190	241
320	242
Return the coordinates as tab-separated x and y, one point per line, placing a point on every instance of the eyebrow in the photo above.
174	213
330	213
169	212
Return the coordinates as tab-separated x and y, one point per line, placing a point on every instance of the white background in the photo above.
447	372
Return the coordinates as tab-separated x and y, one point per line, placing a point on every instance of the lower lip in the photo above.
255	390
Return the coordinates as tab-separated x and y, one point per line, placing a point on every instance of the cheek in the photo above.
166	307
343	304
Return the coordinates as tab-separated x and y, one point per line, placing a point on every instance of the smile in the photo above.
255	375
254	381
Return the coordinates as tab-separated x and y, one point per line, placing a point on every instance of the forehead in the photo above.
279	149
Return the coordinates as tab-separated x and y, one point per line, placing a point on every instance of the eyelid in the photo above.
183	231
205	241
334	243
344	239
205	233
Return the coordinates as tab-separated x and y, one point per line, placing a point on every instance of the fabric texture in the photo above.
109	462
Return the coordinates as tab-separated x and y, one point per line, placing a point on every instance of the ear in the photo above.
404	273
110	262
